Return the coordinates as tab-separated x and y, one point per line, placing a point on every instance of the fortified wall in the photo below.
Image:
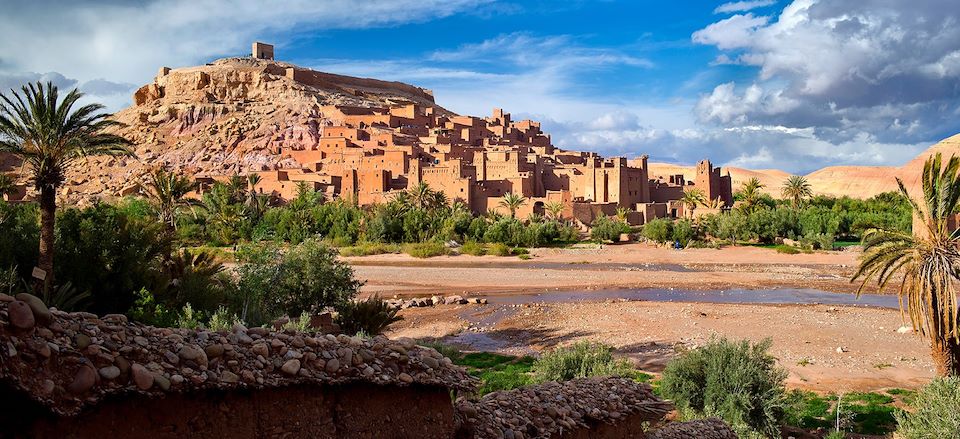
77	375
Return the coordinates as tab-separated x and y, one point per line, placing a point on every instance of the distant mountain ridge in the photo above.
852	181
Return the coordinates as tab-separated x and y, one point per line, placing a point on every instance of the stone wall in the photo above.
78	375
352	410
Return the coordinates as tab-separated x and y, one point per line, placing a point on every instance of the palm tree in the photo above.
421	195
7	184
512	202
693	198
554	210
750	194
622	213
167	191
50	135
928	259
796	188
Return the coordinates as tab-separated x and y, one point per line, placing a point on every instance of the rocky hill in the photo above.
235	115
229	116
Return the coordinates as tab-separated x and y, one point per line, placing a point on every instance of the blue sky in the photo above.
789	84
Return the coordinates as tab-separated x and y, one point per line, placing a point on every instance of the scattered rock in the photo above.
83	381
109	372
41	313
141	377
291	367
20	314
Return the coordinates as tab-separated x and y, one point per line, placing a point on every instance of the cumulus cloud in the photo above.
742	6
126	42
868	73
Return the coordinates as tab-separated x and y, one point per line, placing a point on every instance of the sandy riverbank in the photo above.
805	337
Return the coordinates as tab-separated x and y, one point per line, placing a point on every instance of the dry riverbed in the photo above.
825	348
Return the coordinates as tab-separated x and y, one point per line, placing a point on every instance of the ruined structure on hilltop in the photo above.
366	139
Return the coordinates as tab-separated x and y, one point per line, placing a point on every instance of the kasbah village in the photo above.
256	249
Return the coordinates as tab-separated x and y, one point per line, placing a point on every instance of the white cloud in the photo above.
874	66
742	6
127	42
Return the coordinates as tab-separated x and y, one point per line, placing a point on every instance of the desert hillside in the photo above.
229	116
853	181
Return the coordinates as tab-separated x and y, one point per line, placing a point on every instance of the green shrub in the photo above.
146	310
659	230
936	411
222	320
299	324
367	249
189	318
580	360
684	232
787	249
425	249
473	248
608	229
103	250
499	249
371	316
735	381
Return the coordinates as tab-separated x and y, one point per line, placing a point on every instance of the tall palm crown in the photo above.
555	210
693	198
796	189
50	135
928	260
512	202
750	193
167	190
421	195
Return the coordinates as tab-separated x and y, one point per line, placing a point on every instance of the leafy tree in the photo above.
796	189
512	202
311	278
49	135
928	260
684	232
659	230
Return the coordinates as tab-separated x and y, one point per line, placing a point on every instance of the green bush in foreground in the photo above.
936	412
735	381
371	316
608	229
580	360
473	248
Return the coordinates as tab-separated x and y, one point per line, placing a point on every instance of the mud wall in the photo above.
355	411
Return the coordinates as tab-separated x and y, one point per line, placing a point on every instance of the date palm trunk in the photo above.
48	215
946	355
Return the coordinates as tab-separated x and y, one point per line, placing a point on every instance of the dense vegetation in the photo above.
817	222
